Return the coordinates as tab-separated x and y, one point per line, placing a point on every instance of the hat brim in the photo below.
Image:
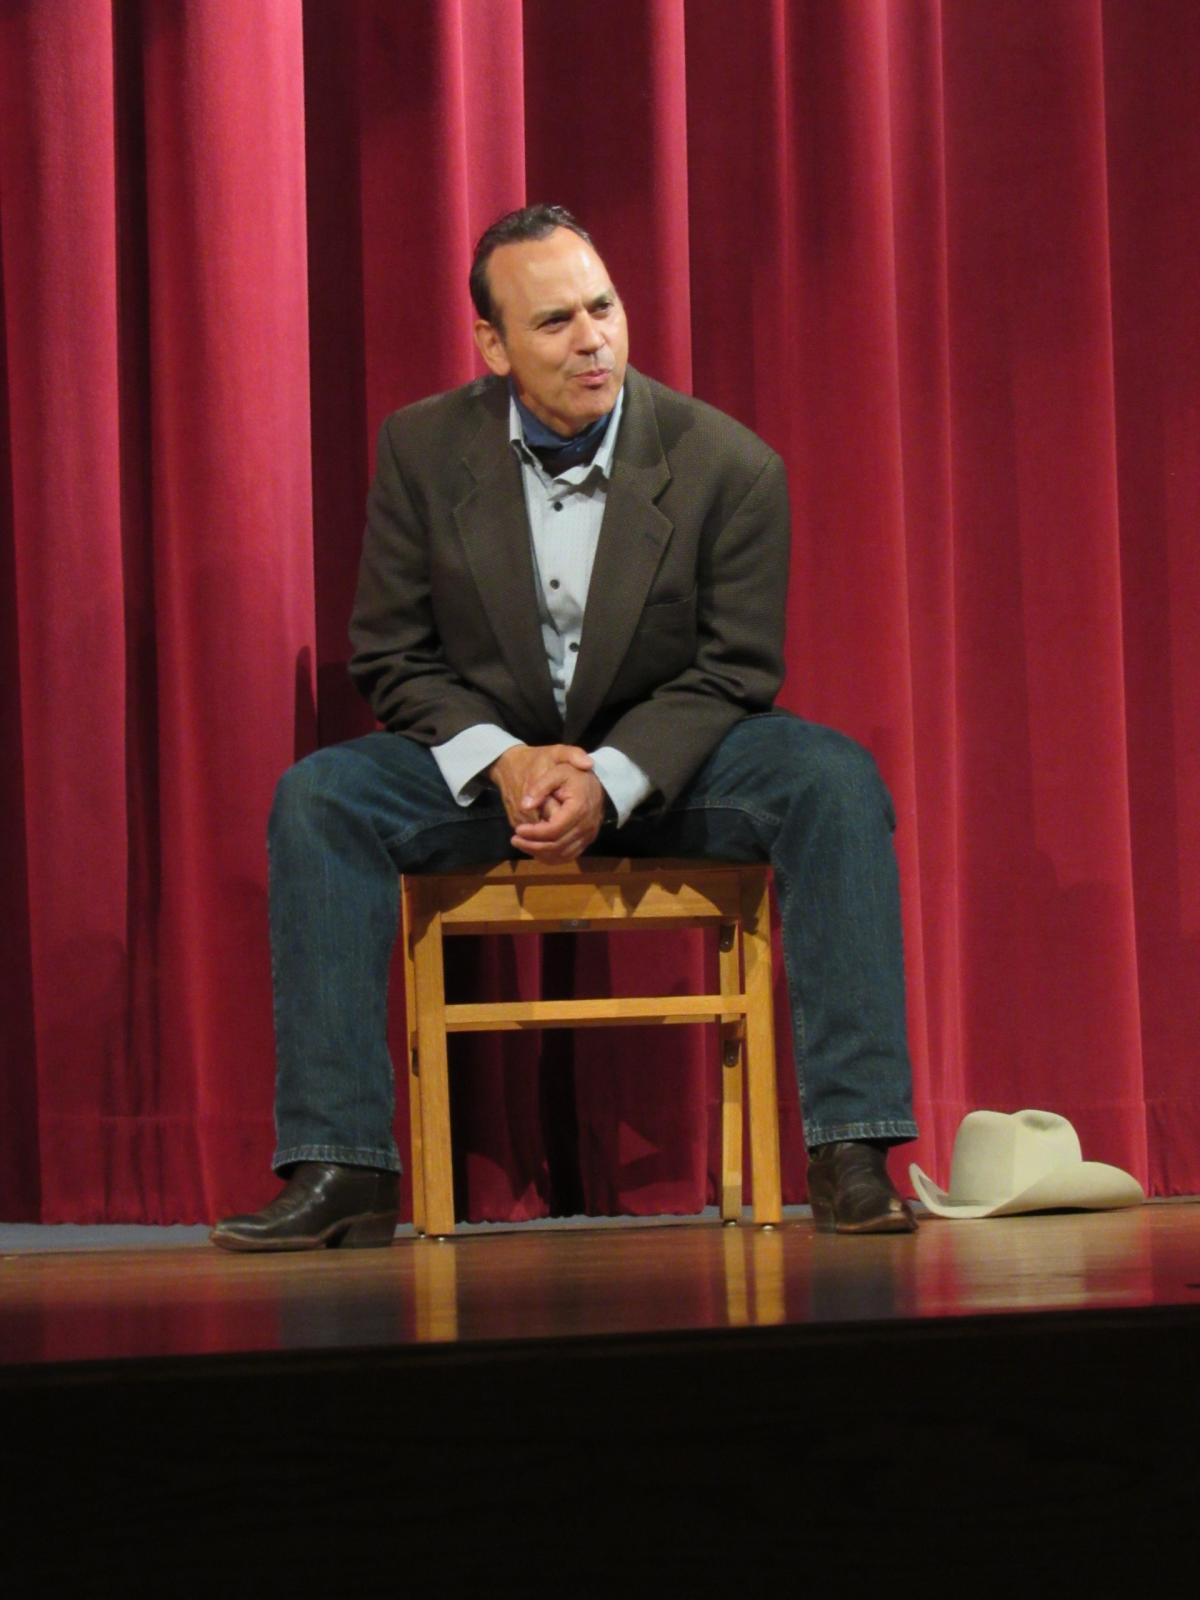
1081	1186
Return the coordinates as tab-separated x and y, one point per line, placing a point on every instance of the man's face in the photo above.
564	341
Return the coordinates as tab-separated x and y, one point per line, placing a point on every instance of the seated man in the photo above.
570	622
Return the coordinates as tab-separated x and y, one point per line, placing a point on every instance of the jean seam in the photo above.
276	1024
347	1155
418	829
837	1131
783	889
761	817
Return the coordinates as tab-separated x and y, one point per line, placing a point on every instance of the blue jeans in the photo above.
348	818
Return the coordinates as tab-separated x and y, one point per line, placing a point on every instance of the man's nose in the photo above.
590	335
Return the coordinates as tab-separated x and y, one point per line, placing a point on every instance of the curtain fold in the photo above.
940	253
64	494
156	325
1151	84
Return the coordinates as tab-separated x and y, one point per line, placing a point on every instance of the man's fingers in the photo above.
554	763
538	792
560	829
557	822
559	812
550	849
570	754
553	827
527	774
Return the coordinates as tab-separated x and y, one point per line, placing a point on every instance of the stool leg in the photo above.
434	1093
729	956
760	1049
416	1164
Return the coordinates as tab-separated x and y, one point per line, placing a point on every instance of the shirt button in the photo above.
554	583
558	505
574	646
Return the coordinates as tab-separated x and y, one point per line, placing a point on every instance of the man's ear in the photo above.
491	348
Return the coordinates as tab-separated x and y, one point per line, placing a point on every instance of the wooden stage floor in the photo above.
656	1409
512	1284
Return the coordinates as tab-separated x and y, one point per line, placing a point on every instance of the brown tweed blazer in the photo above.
683	633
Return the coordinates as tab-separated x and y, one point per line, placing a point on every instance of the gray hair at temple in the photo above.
530	222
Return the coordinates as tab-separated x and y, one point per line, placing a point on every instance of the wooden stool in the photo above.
600	896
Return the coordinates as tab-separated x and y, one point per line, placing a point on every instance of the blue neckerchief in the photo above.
554	452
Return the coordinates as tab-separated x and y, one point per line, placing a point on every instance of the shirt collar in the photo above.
600	462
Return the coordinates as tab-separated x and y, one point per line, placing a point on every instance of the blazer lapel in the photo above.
494	527
633	536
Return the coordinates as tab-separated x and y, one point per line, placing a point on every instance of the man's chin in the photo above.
599	403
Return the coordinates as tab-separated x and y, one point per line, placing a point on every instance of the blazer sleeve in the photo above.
737	667
398	661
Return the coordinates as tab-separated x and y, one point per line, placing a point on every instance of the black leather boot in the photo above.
324	1206
850	1190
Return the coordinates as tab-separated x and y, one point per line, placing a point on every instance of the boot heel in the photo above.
823	1218
367	1233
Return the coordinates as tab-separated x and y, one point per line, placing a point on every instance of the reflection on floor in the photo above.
552	1283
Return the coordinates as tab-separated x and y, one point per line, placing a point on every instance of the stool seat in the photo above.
604	896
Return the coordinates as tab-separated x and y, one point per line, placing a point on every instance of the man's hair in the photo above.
530	222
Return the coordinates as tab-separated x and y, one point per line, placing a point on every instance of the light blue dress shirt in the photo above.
565	513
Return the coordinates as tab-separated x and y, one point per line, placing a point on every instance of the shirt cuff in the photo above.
624	782
463	760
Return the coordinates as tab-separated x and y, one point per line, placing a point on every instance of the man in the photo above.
570	621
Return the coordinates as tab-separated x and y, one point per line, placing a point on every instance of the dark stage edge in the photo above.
1048	1449
1058	1448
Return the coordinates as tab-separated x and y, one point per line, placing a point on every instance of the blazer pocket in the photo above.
666	610
663	644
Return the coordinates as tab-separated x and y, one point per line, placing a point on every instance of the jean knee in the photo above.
304	789
843	772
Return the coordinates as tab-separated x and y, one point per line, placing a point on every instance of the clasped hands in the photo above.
553	799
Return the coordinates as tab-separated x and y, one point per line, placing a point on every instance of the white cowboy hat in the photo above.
1029	1161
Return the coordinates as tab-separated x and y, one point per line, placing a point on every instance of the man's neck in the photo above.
558	451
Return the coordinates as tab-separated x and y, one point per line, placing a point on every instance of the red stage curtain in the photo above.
942	255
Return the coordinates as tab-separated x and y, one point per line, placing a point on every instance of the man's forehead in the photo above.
560	269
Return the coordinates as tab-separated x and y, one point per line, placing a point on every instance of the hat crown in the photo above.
997	1155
